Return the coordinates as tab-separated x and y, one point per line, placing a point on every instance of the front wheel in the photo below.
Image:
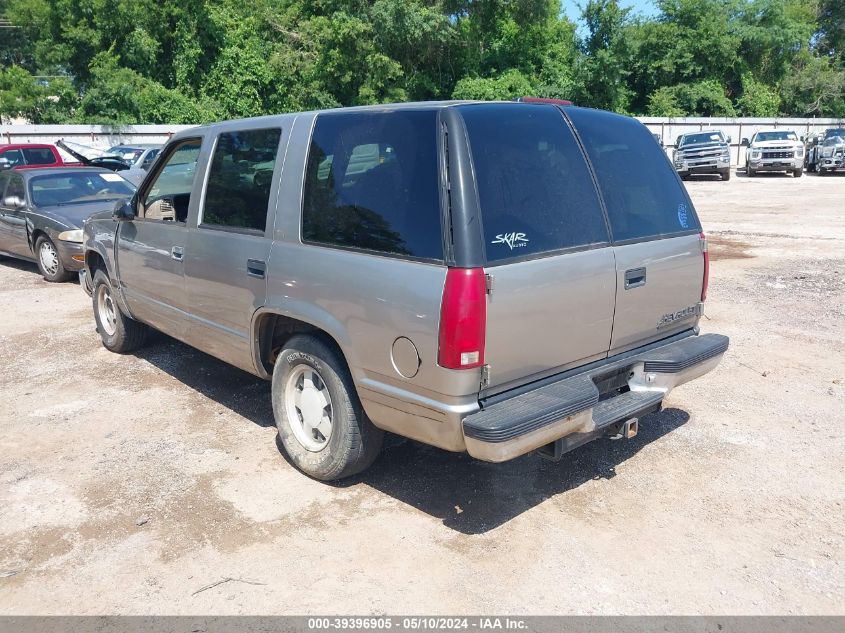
49	263
118	332
749	171
321	422
821	170
725	174
798	173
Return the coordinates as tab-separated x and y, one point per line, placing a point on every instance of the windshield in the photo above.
77	188
704	137
784	135
833	140
835	132
130	154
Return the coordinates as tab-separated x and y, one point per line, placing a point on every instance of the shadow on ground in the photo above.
230	387
27	266
467	495
474	497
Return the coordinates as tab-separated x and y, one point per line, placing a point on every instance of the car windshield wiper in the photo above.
64	204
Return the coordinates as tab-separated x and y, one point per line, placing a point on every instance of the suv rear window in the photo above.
371	183
643	195
534	187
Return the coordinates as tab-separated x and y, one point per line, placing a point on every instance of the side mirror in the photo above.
5	163
728	140
745	142
13	201
124	210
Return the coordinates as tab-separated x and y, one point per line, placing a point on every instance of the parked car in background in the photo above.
30	156
703	153
494	278
139	157
774	150
824	151
42	211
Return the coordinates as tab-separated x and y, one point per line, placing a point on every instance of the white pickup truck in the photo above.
774	150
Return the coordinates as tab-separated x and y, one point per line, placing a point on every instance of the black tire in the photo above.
821	170
353	442
49	263
123	334
725	174
684	176
797	173
749	171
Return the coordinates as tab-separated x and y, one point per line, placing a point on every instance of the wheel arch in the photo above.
272	327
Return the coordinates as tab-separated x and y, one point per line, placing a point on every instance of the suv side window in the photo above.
643	195
372	183
534	186
240	178
169	195
39	156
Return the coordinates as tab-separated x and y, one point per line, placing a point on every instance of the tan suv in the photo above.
495	278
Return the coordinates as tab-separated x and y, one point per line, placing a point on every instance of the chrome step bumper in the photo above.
571	411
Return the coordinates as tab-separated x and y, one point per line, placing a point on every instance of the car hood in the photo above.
764	144
74	215
700	146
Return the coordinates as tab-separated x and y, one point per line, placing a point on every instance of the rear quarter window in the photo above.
372	183
534	187
642	193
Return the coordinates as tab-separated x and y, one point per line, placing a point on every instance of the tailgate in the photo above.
655	230
662	292
547	314
546	243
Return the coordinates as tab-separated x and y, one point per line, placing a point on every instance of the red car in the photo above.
30	156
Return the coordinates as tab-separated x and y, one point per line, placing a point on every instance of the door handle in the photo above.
256	268
176	253
634	278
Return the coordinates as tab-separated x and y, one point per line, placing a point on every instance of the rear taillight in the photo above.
463	319
706	281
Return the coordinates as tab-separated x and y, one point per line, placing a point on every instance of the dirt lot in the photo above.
129	484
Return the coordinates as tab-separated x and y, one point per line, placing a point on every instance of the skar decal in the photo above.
680	315
513	240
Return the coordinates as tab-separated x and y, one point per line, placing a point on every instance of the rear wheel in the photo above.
49	264
118	332
321	422
725	174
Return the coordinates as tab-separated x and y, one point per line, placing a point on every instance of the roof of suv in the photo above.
381	107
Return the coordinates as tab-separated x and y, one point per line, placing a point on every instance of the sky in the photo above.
644	7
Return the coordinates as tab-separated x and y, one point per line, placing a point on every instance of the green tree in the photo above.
604	67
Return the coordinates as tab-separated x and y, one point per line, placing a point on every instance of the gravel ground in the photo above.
129	484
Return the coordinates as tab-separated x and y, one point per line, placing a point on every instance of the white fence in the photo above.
104	136
99	136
